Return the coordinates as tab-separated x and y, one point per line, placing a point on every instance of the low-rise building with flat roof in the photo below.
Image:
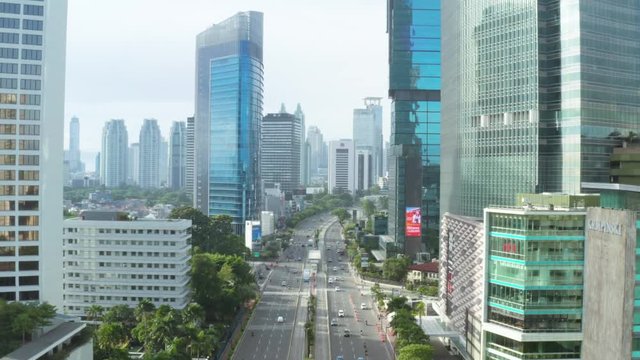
110	259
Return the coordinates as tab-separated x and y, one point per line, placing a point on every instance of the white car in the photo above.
363	306
335	268
280	319
340	313
337	288
331	280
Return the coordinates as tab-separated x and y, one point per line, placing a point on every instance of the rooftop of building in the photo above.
47	342
430	267
102	215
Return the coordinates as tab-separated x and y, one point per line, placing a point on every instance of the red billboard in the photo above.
413	222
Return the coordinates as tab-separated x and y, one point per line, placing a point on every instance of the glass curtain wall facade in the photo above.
546	90
534	272
229	92
414	87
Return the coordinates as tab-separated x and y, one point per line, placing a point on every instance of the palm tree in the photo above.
94	312
23	323
144	310
420	310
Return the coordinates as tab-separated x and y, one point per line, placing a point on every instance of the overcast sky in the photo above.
135	59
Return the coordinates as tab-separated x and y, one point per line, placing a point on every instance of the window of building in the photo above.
9	23
29	39
28	84
32	24
35	10
9	8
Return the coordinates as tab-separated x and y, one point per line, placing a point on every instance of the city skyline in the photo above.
311	83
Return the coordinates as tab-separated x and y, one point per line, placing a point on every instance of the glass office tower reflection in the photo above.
545	90
414	159
229	87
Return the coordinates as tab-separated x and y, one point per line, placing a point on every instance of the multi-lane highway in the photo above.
276	328
360	322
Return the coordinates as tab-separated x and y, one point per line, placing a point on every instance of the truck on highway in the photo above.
306	275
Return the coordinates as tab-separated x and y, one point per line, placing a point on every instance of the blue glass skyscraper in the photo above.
414	154
229	86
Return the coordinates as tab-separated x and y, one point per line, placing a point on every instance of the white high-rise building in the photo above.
111	260
150	154
134	164
75	164
115	154
367	131
164	162
341	166
32	83
190	157
177	155
316	143
304	165
364	169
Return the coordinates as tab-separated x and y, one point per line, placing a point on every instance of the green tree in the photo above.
200	227
416	352
120	314
223	238
112	335
342	214
395	268
23	324
398	303
94	312
368	206
205	284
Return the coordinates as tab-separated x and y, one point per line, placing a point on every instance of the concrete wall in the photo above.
609	280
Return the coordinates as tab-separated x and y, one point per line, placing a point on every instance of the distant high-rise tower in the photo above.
32	78
164	162
316	142
229	86
115	154
97	167
304	165
414	154
280	156
541	109
134	164
75	163
177	155
190	157
367	132
150	154
341	166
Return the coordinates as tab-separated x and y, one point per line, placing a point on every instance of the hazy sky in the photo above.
135	59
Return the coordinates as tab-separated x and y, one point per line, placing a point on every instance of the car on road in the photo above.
280	319
331	280
334	322
347	333
299	258
363	306
360	358
284	283
340	313
329	260
335	268
337	288
339	357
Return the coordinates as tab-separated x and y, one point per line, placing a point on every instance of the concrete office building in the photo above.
280	153
164	162
32	137
462	261
189	169
612	320
267	222
115	154
367	132
177	155
229	91
365	169
111	260
150	154
533	295
341	166
316	154
522	112
414	152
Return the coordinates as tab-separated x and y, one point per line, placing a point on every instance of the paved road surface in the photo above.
365	338
265	338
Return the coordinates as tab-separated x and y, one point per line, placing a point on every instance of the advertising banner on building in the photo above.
413	222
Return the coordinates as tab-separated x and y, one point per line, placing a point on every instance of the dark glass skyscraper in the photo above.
229	86
414	87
